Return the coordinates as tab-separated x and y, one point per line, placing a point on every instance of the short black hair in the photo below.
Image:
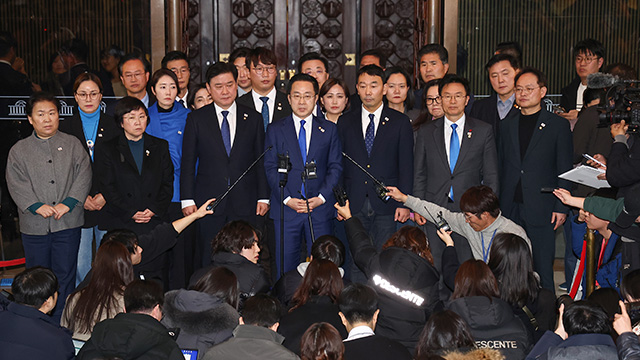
261	310
141	296
542	78
589	46
313	56
126	237
221	68
262	54
303	77
478	199
34	286
454	79
513	61
77	47
134	56
442	52
590	94
126	105
585	317
241	52
41	96
382	59
512	48
328	247
372	70
358	303
623	71
7	41
174	55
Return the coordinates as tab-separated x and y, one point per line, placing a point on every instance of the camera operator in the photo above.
479	222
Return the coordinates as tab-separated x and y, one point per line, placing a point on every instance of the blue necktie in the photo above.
226	134
265	111
454	151
370	135
302	142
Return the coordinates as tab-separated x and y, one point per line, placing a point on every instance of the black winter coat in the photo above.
628	346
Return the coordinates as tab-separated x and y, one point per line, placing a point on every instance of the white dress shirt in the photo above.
359	332
448	130
231	119
376	120
271	102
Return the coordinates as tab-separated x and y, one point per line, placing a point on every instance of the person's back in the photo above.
136	334
27	332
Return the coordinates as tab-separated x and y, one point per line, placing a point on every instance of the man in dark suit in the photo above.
452	154
502	69
317	66
134	73
223	139
306	139
264	97
381	140
536	146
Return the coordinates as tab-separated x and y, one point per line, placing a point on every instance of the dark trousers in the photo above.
296	233
437	246
543	245
57	251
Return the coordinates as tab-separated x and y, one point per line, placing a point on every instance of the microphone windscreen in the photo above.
601	80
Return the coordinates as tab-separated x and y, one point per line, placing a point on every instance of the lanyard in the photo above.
485	254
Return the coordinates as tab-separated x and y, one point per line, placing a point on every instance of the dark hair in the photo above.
110	273
444	331
125	237
408	102
134	56
442	52
7	41
542	79
312	56
454	79
623	71
478	199
191	96
221	68
630	286
474	278
233	237
321	278
513	61
330	248
590	94
241	52
261	310
321	341
413	239
220	282
303	77
511	263
76	47
126	105
172	56
592	46
331	82
160	73
113	50
358	303
41	96
263	55
87	76
608	299
512	48
141	296
378	54
34	286
585	317
425	115
371	70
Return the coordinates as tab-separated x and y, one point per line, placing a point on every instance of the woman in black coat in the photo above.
136	172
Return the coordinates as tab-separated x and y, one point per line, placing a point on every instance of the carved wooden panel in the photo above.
394	24
322	29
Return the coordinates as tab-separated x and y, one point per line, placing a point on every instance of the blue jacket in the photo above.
583	346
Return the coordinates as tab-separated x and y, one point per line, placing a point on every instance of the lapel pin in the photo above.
321	129
59	148
245	116
279	107
99	135
179	132
469	133
542	125
147	152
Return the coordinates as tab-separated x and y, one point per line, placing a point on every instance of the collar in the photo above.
509	101
359	332
302	269
271	95
308	120
5	62
377	112
257	332
219	110
460	122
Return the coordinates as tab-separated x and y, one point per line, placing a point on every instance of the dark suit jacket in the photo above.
477	162
570	95
324	148
202	144
549	154
375	347
127	191
588	137
487	111
391	159
107	130
13	82
282	110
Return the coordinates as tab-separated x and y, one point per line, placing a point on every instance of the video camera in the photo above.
621	101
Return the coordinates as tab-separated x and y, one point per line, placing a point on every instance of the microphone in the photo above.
601	80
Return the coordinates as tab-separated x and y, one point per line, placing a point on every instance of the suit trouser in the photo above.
543	245
297	230
57	251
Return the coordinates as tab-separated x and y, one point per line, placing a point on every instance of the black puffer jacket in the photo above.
406	284
201	320
493	325
628	346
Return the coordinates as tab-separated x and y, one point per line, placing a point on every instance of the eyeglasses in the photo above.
136	75
306	97
587	59
526	90
458	97
316	72
182	70
469	216
92	95
434	100
260	69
